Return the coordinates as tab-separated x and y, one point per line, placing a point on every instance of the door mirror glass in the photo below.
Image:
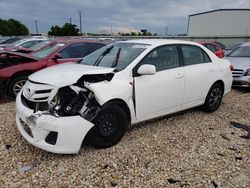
146	69
56	57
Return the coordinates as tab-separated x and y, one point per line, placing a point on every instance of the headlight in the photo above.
247	73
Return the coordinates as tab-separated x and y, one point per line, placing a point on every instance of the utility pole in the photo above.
36	21
111	30
70	20
166	31
80	16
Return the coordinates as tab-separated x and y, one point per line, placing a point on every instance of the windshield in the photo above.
232	46
242	51
44	52
117	55
16	43
39	45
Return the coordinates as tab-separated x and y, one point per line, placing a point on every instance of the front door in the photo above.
161	93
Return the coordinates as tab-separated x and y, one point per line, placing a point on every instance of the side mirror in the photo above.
146	69
56	57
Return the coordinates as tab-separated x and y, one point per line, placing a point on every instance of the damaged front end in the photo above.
58	119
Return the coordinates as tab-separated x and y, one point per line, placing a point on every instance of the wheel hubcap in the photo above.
18	86
215	98
107	125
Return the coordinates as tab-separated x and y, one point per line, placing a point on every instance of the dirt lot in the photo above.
189	149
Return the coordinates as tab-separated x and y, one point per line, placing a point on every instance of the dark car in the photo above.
16	67
223	46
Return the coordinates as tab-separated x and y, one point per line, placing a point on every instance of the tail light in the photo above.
231	67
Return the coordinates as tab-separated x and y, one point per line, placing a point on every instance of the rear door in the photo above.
161	93
200	73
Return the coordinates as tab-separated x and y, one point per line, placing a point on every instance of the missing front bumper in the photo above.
71	130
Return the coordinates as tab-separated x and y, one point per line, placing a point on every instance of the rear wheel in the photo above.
16	84
214	98
110	126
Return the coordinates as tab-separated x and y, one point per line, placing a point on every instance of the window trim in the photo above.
136	67
203	54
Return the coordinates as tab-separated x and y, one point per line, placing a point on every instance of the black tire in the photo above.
110	126
214	98
16	85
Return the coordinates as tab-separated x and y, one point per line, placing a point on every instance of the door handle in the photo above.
179	75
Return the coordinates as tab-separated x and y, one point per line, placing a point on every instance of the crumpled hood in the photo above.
239	62
66	74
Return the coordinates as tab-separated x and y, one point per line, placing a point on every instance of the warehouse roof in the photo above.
219	10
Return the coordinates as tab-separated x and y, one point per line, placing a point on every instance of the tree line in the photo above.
12	27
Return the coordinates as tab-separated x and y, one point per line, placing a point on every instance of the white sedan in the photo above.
120	84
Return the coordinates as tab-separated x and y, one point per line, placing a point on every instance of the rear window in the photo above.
194	55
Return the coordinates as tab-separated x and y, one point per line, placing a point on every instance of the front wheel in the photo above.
16	84
214	98
110	126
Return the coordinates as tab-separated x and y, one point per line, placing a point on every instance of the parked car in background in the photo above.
231	47
240	59
120	84
215	48
7	41
36	47
24	43
223	46
16	67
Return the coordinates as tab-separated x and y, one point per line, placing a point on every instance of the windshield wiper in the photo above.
102	56
116	58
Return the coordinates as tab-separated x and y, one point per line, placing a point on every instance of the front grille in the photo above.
238	72
36	106
37	92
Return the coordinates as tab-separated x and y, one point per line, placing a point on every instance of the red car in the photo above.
16	67
215	48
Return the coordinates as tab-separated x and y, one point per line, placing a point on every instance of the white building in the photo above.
222	22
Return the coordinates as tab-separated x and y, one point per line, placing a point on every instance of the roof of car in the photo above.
246	44
71	41
204	42
158	41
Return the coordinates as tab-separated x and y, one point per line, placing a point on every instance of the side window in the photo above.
162	58
74	51
93	47
194	55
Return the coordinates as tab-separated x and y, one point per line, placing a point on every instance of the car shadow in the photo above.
242	89
5	98
166	117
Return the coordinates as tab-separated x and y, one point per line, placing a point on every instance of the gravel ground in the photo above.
188	149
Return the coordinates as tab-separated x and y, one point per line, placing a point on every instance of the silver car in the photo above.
240	59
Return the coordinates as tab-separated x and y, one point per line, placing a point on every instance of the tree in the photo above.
12	27
55	31
67	29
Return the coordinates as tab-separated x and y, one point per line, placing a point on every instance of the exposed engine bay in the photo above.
70	100
73	100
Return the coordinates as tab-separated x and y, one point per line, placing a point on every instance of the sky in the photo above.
104	16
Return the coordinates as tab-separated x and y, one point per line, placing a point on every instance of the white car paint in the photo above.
145	95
